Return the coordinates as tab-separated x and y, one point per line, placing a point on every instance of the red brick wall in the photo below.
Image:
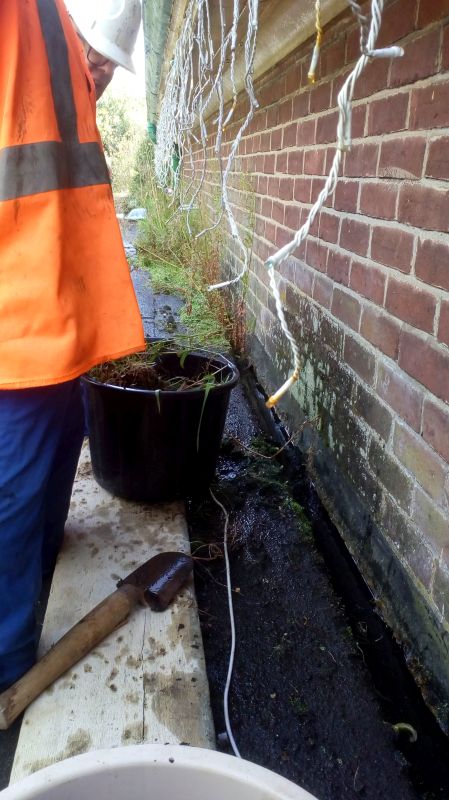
367	294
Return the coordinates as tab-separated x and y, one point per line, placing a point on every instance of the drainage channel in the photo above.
401	701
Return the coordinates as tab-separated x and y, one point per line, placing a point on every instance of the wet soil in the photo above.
318	683
160	370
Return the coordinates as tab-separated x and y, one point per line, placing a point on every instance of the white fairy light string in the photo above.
368	38
184	108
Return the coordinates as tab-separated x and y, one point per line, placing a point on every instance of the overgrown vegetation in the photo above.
180	263
185	264
162	367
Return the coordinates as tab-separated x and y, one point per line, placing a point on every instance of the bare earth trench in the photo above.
318	682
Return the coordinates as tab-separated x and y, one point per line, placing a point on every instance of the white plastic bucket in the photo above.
154	772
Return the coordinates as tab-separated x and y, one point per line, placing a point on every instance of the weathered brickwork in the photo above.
367	295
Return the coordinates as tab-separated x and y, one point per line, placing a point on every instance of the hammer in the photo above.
154	583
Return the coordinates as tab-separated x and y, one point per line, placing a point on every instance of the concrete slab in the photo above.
146	682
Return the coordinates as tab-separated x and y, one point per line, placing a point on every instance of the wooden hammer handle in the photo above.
73	646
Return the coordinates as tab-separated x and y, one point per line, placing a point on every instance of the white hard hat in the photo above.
110	27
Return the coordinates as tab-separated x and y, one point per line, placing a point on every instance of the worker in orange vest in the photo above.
66	296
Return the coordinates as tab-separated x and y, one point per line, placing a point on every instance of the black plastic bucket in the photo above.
152	446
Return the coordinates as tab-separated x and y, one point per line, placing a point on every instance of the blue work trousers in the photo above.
41	432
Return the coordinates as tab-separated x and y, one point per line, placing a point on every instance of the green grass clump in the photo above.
181	264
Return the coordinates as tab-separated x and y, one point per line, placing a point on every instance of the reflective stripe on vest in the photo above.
48	166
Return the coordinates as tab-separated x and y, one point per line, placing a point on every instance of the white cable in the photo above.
250	50
368	39
231	617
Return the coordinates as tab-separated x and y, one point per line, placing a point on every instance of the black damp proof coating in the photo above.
154	446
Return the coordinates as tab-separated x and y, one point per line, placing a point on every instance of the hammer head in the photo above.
160	578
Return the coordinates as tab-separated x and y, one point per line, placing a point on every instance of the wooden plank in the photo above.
147	681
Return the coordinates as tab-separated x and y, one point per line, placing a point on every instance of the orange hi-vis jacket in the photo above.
66	296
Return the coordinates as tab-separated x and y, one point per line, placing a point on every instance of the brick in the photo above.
302	190
306	133
285	112
388	114
295	162
411	304
281	162
278	212
293	79
368	281
331	334
435	427
432	523
338	265
262	184
265	139
378	200
346	196
326	128
445	49
401	393
269	164
273	187
429	107
289	135
443	327
272	116
420	460
256	144
367	406
286	186
259	122
438	159
424	207
316	254
304	279
431	11
353	45
358	121
317	185
402	158
267	206
392	247
359	358
354	236
292	217
282	237
381	330
273	92
329	227
276	139
320	97
373	78
432	263
421	561
440	589
391	475
301	105
332	57
361	161
346	307
397	21
322	291
314	161
426	362
420	60
337	85
396	525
